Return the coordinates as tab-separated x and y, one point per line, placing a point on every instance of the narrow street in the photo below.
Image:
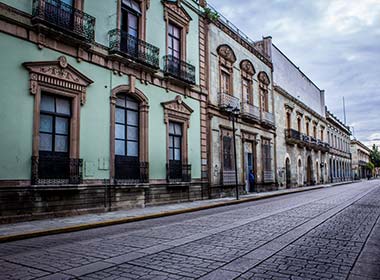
330	233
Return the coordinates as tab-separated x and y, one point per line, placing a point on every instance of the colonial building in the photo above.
239	82
302	149
360	159
338	135
97	94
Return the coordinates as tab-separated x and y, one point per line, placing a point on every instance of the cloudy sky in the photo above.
336	43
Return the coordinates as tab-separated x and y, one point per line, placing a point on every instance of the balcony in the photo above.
250	111
268	118
64	17
124	44
178	172
130	171
227	100
179	69
295	137
56	170
228	178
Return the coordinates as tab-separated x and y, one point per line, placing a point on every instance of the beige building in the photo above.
360	158
338	136
302	151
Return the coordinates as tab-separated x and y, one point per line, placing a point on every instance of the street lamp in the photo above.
233	113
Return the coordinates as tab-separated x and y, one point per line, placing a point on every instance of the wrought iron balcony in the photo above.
125	44
179	69
293	136
227	100
64	16
268	117
178	172
228	178
56	170
131	172
250	111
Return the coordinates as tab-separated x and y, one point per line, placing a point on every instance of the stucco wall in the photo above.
287	76
16	116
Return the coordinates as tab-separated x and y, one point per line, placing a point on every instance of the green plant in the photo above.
210	14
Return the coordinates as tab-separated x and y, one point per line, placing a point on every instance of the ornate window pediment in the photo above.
57	74
263	78
247	67
175	12
177	109
227	53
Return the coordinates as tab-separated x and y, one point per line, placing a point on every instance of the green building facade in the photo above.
100	101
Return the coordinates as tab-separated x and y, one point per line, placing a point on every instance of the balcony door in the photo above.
174	49
127	164
130	17
60	12
54	137
175	150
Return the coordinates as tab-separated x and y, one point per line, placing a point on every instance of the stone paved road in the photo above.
331	233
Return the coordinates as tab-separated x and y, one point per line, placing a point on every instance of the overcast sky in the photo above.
336	43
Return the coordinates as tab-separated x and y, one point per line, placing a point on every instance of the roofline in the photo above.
361	145
299	70
332	117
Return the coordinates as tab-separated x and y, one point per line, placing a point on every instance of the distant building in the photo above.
360	158
338	136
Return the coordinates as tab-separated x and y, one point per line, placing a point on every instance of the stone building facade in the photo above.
239	81
338	136
360	158
302	149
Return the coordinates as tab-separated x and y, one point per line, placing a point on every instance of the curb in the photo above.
32	234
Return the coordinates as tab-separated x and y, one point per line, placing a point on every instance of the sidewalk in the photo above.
23	230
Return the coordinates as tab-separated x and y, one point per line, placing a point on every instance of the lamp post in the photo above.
233	114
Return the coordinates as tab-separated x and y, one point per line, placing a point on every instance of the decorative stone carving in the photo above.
175	11
59	75
263	77
177	109
227	53
247	67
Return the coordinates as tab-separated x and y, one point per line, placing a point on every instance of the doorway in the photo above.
309	171
287	173
248	165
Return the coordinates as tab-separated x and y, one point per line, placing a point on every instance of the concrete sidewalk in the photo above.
23	230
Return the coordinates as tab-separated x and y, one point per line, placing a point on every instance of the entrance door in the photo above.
248	165
308	171
287	173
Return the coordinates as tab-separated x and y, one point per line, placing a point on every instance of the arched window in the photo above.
129	135
226	60
264	91
247	72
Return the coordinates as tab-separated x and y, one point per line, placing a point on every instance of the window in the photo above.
225	81
228	162
127	127
55	114
307	129
60	12
175	141
264	90
288	120
299	124
322	132
174	41
267	160
247	90
315	131
130	17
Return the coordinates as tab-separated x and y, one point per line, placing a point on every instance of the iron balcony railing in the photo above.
64	16
56	170
227	100
251	111
131	171
292	134
135	48
178	172
228	178
179	69
268	117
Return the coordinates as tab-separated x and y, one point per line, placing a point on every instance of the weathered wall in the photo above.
289	77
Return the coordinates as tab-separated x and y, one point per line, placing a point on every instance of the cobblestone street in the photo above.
330	233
